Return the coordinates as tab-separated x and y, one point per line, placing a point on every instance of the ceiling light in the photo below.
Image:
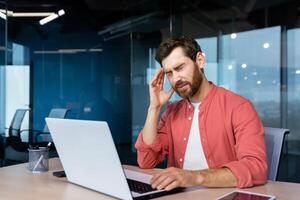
266	45
71	50
245	78
230	67
48	19
8	12
46	52
52	17
298	71
31	14
2	15
258	82
233	35
95	50
61	12
244	65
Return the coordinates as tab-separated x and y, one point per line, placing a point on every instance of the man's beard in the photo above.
193	86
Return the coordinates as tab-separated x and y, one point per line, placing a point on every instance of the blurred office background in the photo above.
97	58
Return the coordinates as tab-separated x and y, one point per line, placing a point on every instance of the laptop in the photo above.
90	159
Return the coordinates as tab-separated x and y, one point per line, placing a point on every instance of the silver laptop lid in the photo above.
88	155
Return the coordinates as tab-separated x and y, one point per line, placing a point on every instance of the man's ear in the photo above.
200	59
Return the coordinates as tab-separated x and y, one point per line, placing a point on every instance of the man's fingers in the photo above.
159	174
158	181
166	182
172	185
161	77
159	178
156	77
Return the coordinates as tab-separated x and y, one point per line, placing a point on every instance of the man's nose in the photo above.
176	77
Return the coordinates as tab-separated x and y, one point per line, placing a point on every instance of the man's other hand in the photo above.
172	177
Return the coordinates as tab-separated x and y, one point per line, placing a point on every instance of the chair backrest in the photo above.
56	113
274	140
16	122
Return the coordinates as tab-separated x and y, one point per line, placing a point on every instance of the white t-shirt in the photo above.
194	158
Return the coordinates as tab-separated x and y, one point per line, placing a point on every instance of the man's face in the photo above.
183	73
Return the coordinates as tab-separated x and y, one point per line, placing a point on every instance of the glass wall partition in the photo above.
249	65
65	64
2	68
293	103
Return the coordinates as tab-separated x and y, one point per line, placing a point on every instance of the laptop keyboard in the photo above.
139	187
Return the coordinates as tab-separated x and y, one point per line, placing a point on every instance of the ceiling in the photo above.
101	15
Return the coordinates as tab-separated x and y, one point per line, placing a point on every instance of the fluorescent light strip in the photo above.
71	50
3	16
32	14
61	12
46	52
52	17
8	12
67	51
26	14
95	50
48	19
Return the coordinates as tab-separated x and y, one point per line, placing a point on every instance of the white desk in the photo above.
17	182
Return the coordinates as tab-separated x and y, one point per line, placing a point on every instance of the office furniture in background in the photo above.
45	134
274	138
14	147
16	150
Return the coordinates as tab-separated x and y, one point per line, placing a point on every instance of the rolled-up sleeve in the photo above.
148	156
251	166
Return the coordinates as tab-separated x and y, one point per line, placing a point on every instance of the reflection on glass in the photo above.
250	66
293	63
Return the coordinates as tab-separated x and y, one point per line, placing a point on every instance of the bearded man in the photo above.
212	137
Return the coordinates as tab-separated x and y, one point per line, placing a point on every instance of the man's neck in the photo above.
202	92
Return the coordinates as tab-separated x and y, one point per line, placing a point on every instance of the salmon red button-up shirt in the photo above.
231	134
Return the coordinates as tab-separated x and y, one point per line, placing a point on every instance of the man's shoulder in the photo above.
230	96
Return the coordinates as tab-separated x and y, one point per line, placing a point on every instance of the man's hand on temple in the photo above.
172	177
158	97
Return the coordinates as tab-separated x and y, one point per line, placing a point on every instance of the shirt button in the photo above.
190	118
180	159
184	139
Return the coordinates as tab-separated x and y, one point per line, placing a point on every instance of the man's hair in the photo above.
190	48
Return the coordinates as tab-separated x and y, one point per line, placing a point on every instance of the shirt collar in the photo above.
208	97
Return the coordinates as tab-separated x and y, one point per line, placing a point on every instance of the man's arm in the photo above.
149	131
171	178
251	166
158	98
152	142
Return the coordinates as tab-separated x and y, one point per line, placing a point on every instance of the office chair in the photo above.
44	135
16	150
13	142
274	138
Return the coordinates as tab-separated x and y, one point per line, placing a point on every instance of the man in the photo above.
212	137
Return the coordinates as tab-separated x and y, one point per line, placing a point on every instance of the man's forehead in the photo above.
174	59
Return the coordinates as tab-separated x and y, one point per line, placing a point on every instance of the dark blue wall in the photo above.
93	85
